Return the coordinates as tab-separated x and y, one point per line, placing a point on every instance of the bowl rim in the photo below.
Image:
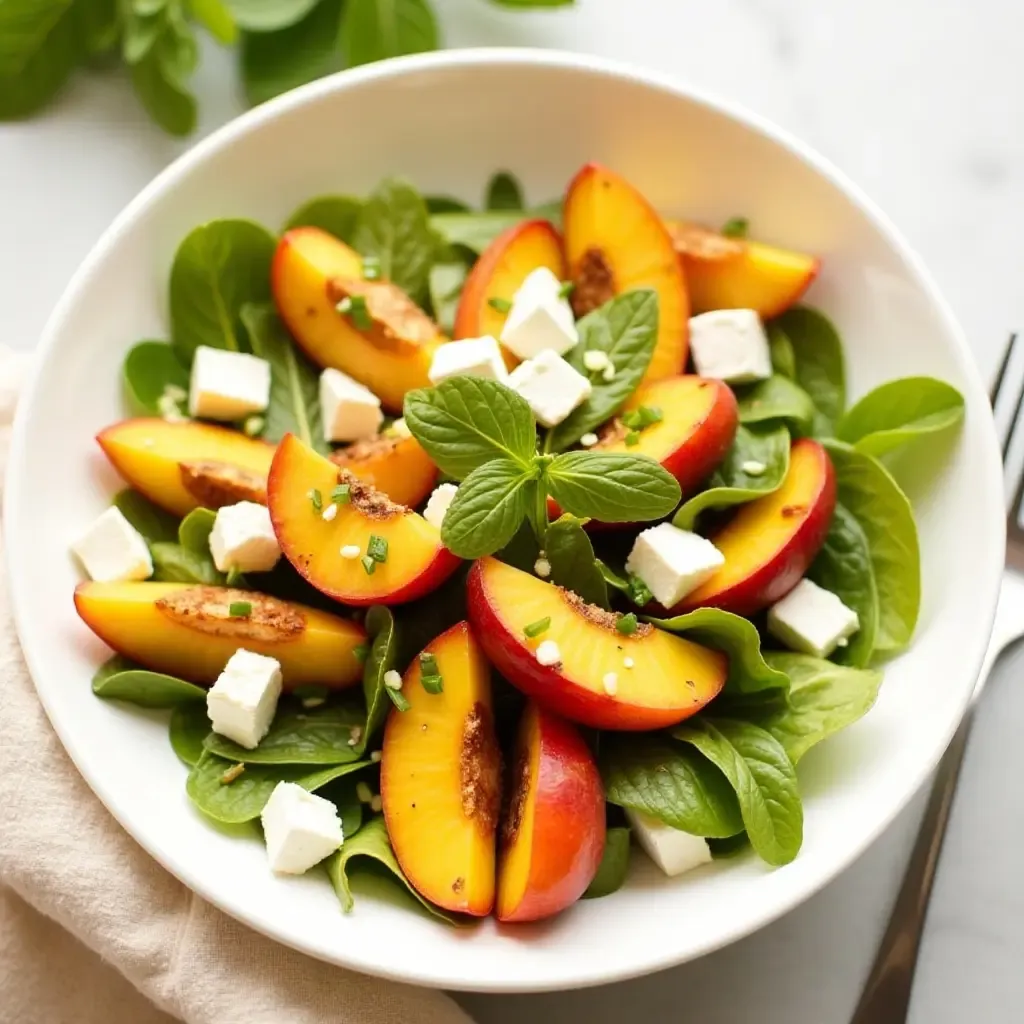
986	584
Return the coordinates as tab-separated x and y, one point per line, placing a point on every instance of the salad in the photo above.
491	546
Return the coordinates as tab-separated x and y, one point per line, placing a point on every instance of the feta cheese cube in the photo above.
112	549
350	411
812	620
672	562
548	653
300	828
540	319
730	345
227	385
474	357
672	850
242	702
551	386
437	504
243	538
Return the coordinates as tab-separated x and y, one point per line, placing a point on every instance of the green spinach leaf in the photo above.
612	486
334	214
476	230
120	679
777	398
820	370
573	565
504	193
614	866
446	281
150	368
173	563
783	356
382	657
189	727
488	508
218	268
150	520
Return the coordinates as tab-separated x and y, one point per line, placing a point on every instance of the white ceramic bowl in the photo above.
447	121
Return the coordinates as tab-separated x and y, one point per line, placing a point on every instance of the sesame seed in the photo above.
330	512
542	567
363	793
753	468
349	551
376	805
392	680
628	662
610	683
608	373
594	359
357	735
548	653
588	440
376	756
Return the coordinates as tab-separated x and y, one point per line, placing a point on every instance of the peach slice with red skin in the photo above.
398	466
498	274
188	630
554	833
770	543
660	679
735	273
311	272
440	778
182	466
615	241
416	560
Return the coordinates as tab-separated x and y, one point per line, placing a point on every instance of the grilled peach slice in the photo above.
614	242
734	273
188	631
770	543
499	272
410	562
647	679
440	778
312	271
398	466
553	835
181	466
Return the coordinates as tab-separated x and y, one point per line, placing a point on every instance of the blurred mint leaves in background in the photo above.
281	44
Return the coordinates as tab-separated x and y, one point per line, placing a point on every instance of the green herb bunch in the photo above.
281	44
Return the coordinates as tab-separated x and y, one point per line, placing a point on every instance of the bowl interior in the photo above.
447	121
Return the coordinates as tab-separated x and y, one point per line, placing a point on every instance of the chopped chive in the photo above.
632	438
371	268
317	499
398	698
627	624
354	307
369	564
499	304
428	664
538	627
254	425
430	675
377	548
639	593
240	609
232	773
644	416
432	684
736	227
361	652
566	290
342	494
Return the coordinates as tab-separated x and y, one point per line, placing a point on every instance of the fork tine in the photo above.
1001	375
1014	420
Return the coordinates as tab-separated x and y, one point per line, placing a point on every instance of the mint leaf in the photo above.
215	17
761	773
275	62
467	421
376	29
612	487
149	368
218	268
504	193
268	15
334	214
614	866
488	508
166	100
393	225
776	398
294	381
626	329
901	411
669	782
818	360
732	484
573	564
749	672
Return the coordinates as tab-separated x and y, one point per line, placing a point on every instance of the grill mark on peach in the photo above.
207	610
612	433
398	323
361	451
595	283
519	788
215	484
367	500
790	511
599	617
480	768
703	243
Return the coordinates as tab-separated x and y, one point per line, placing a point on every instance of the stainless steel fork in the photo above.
886	995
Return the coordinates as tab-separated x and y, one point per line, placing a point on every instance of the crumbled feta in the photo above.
595	360
628	662
227	385
375	756
540	319
351	551
610	682
672	850
475	357
550	386
243	538
242	702
393	679
588	440
672	562
438	503
542	567
548	653
730	345
363	793
399	429
753	468
300	829
112	549
350	410
329	513
376	804
812	620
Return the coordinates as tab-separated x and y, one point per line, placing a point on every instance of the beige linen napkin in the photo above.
87	917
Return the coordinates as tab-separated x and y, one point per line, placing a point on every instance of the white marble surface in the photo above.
921	102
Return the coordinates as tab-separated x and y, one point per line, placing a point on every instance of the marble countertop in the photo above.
919	101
